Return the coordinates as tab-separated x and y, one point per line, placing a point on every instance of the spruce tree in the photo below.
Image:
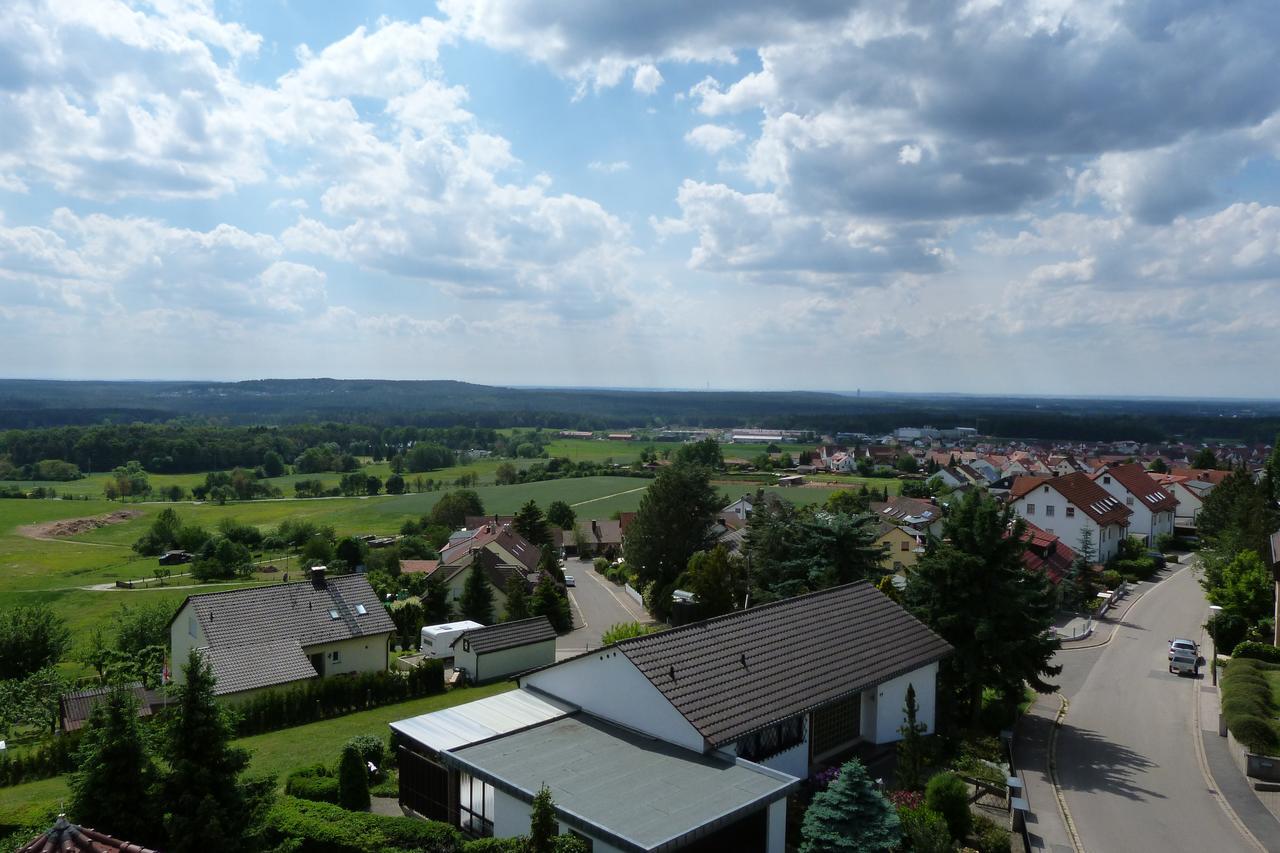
850	815
542	823
532	524
204	805
548	601
477	598
517	600
111	789
911	747
353	780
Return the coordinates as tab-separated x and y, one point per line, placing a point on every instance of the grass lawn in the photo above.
275	753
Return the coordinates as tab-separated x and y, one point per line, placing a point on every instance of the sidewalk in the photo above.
1228	777
1046	828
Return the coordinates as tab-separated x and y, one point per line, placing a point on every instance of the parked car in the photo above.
569	581
1183	664
1181	645
1157	558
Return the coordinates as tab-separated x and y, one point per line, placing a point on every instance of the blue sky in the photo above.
1022	197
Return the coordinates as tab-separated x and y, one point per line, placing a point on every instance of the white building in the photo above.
706	728
1069	505
1153	507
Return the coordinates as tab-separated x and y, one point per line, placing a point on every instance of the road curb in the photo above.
1120	616
1053	775
1210	782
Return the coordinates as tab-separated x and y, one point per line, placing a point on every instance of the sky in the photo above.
1035	197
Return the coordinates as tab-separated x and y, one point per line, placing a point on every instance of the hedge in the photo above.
313	783
1257	651
51	758
323	698
304	826
1247	706
948	795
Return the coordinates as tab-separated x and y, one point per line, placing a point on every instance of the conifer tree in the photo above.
850	816
911	747
477	598
204	804
111	789
532	524
517	600
353	780
548	601
542	823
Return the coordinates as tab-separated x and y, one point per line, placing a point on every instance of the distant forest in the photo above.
381	404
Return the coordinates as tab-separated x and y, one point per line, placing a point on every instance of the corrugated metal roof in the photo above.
639	793
485	718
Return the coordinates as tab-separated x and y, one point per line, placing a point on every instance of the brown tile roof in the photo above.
488	534
418	567
734	674
508	635
1025	485
66	837
74	708
1139	483
1088	496
601	533
900	510
1209	475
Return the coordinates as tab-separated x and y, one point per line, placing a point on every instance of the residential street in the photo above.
597	604
1127	752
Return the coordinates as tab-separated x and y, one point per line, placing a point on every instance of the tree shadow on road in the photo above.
1087	761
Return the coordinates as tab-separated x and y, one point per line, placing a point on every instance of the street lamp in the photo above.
1213	664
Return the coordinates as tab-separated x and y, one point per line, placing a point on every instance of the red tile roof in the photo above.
1139	483
1025	485
66	837
1209	475
418	567
1083	493
1046	553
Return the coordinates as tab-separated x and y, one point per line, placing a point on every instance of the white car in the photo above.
1181	645
569	581
1183	663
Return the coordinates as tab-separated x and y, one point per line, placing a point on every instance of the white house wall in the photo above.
494	665
608	685
359	654
882	708
511	818
793	761
185	634
1143	523
1106	540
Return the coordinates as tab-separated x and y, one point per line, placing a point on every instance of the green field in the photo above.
273	754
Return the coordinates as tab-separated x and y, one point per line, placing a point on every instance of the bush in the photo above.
1256	733
624	631
924	830
310	827
313	783
1257	651
948	795
988	837
353	780
1111	579
495	845
51	758
370	748
1248	707
1138	569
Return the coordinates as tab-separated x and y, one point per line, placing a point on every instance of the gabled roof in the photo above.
1086	495
75	707
301	613
1139	483
423	567
1046	552
248	667
66	837
498	573
508	635
1025	485
735	674
900	510
502	535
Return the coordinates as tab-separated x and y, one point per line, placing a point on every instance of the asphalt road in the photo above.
1126	754
597	604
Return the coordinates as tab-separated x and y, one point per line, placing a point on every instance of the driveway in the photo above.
597	604
1126	753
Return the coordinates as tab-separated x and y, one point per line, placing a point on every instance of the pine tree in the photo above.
476	603
911	747
204	805
111	789
532	524
850	815
542	823
549	564
517	599
548	601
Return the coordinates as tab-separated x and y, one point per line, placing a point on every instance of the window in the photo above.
191	625
764	744
333	614
360	610
1048	510
1071	512
475	806
906	546
1106	480
1129	500
1031	509
335	656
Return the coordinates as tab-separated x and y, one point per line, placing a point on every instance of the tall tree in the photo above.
1237	515
561	515
850	816
674	522
1204	459
476	603
203	802
550	602
452	509
718	580
111	788
517	599
1247	588
797	550
32	637
971	589
530	523
436	606
1271	472
704	454
911	747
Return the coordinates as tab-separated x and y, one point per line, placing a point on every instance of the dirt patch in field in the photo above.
76	526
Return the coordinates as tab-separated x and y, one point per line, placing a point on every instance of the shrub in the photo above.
370	748
1257	651
1248	706
1256	734
924	830
353	780
54	756
1111	579
948	795
625	631
313	783
310	827
495	845
988	837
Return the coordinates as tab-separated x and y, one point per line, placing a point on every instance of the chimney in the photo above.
595	528
317	577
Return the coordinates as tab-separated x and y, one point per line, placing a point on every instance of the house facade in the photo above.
1152	505
275	636
901	547
1068	505
708	726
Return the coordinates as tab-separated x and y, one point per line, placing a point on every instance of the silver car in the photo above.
1181	645
1185	664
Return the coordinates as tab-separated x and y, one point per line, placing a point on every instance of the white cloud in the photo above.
909	155
647	79
713	138
611	167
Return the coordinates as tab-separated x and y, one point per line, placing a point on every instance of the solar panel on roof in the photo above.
360	609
